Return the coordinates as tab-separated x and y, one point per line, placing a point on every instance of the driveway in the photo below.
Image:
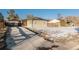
19	38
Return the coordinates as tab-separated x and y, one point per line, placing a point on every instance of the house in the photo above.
53	23
13	23
36	22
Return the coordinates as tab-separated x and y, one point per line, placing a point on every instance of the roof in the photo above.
38	18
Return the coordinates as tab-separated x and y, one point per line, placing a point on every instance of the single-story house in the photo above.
53	23
37	22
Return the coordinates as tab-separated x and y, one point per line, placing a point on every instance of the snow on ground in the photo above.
58	31
64	37
24	39
62	32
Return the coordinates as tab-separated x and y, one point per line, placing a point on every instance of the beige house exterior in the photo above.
54	23
29	23
36	22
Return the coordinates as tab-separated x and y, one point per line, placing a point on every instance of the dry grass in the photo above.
70	41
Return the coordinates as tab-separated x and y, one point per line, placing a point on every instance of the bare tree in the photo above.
60	16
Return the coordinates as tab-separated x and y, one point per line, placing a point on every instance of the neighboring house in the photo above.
13	23
36	22
54	23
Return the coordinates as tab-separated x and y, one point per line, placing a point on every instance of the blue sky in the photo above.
44	13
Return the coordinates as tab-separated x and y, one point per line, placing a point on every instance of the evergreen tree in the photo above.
11	12
12	15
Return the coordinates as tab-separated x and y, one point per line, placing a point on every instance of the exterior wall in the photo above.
29	23
36	23
40	23
54	24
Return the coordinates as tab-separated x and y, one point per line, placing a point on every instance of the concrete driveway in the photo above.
19	38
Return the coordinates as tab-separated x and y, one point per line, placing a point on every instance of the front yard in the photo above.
64	37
